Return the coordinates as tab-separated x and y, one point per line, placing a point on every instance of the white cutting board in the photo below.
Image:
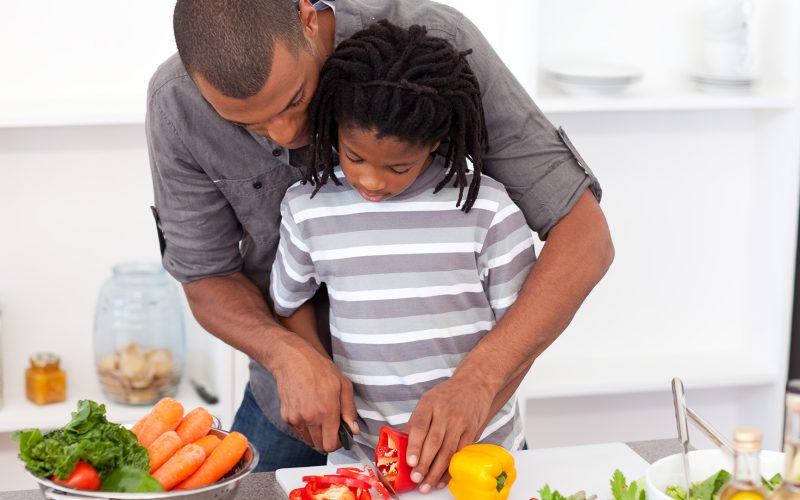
567	470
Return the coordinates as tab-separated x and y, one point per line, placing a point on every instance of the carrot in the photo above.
182	465
165	416
195	425
208	443
224	457
163	448
137	427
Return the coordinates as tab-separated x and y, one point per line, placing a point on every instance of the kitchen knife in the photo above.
346	438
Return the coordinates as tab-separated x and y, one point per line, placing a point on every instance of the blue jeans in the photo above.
277	450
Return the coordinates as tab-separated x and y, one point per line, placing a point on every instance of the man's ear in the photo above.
309	20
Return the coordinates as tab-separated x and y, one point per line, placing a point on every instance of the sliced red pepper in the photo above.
336	479
365	474
338	492
378	485
313	491
349	483
355	473
390	457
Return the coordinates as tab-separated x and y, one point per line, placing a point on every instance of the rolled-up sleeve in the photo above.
200	228
541	170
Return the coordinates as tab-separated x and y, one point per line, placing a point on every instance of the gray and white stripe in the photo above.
414	284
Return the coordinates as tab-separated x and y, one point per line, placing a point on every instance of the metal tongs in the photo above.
681	413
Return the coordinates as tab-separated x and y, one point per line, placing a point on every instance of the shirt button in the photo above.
276	152
257	185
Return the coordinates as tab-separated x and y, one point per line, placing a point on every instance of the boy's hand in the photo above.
448	417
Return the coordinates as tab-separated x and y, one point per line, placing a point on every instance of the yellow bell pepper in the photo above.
481	472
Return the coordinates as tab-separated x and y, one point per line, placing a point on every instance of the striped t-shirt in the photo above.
414	283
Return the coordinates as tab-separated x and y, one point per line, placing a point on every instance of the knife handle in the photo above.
345	435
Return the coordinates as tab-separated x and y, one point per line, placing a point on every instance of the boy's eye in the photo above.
298	102
354	160
400	170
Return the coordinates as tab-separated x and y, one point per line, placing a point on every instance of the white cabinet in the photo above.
701	194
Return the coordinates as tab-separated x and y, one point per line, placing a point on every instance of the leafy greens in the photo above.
547	494
130	480
88	437
709	488
621	490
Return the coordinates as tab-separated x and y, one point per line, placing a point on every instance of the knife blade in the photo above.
346	438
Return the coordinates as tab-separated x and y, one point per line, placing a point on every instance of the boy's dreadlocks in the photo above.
404	84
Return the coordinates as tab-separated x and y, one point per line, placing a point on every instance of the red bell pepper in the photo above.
316	491
365	474
338	479
333	487
390	457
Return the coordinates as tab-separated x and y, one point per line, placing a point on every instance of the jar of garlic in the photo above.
139	337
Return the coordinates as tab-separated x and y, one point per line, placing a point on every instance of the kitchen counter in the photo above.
263	485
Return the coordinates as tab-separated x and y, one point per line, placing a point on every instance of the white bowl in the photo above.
702	463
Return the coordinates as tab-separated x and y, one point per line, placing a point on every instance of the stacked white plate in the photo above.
593	78
711	82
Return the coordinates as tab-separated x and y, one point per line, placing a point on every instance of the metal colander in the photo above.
224	489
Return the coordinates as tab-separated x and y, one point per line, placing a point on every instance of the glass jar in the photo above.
45	381
139	339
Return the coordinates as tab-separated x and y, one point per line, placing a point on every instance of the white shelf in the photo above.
677	98
19	413
129	108
73	110
565	378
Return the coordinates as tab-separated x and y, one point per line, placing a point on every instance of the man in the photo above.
226	126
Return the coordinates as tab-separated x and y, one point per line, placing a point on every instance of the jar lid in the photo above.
747	439
45	359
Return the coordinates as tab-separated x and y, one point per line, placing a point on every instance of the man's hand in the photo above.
314	394
443	422
452	414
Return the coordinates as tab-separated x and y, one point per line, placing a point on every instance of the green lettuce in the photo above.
130	480
549	494
88	437
710	487
772	483
621	490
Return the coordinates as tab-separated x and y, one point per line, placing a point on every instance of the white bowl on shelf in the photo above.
702	463
592	78
728	83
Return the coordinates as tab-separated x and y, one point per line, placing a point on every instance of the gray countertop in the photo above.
263	485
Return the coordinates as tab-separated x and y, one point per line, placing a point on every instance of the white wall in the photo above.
79	62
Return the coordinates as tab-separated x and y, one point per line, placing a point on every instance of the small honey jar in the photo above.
45	382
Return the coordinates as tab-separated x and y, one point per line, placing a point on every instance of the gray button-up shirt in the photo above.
218	187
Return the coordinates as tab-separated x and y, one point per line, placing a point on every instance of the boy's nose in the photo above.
372	182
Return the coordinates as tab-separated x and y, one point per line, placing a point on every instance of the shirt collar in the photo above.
321	5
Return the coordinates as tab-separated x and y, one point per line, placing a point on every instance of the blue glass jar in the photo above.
139	336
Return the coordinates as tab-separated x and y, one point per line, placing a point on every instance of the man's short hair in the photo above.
231	43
